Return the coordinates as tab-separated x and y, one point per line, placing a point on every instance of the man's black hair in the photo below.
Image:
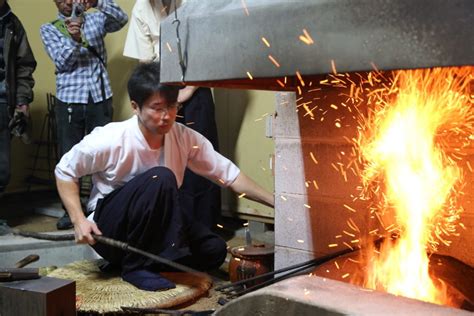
145	81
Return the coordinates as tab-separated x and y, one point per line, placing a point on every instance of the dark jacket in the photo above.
19	64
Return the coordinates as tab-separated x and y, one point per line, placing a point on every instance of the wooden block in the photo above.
42	297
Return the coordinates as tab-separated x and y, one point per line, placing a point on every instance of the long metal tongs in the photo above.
126	247
239	288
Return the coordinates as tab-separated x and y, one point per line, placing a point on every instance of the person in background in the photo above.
17	65
137	167
200	198
75	43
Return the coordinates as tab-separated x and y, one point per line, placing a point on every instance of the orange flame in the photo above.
412	170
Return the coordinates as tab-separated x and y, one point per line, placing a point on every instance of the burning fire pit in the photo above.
362	152
413	133
391	154
456	278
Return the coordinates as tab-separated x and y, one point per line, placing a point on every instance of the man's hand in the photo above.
87	3
186	93
83	230
74	28
24	108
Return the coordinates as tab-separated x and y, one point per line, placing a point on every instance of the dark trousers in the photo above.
146	214
75	120
4	147
199	197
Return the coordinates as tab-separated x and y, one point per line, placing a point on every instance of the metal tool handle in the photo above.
13	274
27	260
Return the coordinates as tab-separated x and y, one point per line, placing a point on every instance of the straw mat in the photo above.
100	292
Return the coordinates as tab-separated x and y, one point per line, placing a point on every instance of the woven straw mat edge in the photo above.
106	293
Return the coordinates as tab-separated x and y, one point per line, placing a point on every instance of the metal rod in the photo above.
27	260
234	291
160	311
271	281
309	263
44	236
126	247
114	243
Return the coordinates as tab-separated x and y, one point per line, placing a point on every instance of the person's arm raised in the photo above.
186	93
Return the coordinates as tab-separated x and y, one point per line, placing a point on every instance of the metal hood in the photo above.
221	40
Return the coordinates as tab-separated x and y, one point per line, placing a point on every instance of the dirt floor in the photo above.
19	212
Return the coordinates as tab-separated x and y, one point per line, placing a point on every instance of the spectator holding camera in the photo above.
75	43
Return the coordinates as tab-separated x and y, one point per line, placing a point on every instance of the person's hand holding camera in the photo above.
74	28
76	19
87	3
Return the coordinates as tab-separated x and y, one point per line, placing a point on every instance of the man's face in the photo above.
64	6
156	116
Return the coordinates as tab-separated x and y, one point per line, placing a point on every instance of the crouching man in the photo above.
137	167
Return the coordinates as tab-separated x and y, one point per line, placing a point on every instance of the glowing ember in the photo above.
274	61
265	41
412	172
306	38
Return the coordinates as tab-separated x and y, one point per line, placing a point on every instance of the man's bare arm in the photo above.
253	191
186	93
69	193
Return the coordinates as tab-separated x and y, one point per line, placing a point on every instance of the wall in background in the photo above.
241	119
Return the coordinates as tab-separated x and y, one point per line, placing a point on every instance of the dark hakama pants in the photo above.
146	214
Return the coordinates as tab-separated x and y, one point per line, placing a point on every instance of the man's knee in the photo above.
161	173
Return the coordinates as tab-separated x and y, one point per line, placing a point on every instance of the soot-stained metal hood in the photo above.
222	45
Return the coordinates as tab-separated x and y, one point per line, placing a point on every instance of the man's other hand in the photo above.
74	28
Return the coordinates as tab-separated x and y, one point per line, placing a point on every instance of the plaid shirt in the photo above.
78	70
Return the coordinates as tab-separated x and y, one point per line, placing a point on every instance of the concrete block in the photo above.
286	124
285	257
289	172
311	295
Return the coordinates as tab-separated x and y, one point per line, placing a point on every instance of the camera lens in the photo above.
78	9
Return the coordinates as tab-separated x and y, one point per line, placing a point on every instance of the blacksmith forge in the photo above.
298	48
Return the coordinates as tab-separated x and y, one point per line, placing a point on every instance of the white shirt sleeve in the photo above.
143	38
84	158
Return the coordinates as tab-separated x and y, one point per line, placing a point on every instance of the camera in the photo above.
77	11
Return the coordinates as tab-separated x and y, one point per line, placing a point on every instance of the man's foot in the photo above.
64	222
148	281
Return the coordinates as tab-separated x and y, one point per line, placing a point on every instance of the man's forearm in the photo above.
186	93
69	193
116	18
253	191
